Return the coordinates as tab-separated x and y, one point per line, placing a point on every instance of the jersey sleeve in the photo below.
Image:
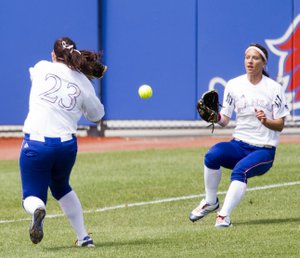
93	109
280	108
228	101
37	68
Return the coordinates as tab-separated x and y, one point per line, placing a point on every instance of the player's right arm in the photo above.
227	106
223	120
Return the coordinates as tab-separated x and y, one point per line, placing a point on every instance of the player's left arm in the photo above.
280	111
273	124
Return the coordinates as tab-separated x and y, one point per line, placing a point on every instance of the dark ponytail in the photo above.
264	72
85	61
91	65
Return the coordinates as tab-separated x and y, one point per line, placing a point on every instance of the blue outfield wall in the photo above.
224	36
152	42
182	48
179	47
28	31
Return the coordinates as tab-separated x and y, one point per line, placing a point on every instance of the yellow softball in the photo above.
145	91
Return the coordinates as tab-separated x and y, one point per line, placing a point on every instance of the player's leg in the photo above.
63	193
234	195
256	163
225	154
35	161
71	206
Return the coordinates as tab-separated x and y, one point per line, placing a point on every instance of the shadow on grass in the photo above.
133	242
137	242
269	221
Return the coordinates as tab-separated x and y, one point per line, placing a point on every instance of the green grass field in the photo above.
266	222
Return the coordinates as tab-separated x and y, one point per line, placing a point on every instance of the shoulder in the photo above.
86	85
39	67
238	79
271	84
42	63
81	77
236	82
271	81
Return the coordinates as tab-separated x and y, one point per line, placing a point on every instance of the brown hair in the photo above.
85	61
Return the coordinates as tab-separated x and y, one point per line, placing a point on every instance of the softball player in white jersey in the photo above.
60	94
260	107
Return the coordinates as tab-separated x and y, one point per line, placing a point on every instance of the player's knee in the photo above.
60	191
238	176
211	159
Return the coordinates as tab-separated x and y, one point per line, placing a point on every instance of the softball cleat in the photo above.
223	221
36	228
202	210
85	242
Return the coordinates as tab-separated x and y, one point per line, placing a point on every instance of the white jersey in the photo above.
243	97
59	96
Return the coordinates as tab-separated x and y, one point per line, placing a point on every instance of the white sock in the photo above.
234	195
31	203
71	206
212	178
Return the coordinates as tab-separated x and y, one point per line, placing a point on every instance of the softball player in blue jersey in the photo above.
260	107
61	93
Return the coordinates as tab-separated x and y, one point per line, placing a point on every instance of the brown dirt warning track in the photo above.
10	147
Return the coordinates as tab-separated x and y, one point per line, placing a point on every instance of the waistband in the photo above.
41	138
255	145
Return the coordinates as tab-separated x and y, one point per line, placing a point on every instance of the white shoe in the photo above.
87	242
202	210
223	221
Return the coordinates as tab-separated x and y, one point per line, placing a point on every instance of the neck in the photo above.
254	79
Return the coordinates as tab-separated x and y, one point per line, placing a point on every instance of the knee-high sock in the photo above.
234	195
212	178
31	203
71	206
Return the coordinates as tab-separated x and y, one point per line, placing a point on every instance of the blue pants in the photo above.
244	159
47	164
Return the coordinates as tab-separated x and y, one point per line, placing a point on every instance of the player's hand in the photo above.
260	115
